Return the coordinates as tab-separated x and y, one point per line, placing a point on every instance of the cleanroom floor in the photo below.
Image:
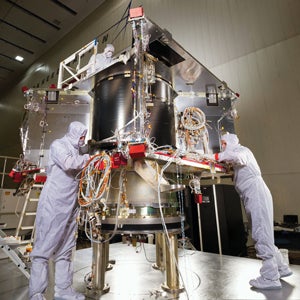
205	276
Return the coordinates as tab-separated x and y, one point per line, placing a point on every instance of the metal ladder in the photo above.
12	252
35	189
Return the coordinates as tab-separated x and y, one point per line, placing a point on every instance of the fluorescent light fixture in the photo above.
19	58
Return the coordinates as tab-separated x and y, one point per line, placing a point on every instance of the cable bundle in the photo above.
94	179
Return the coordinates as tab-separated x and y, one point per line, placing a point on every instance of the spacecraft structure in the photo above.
152	115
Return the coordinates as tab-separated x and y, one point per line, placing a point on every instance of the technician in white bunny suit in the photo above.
101	60
56	224
258	204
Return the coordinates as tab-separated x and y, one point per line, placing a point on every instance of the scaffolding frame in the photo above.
78	73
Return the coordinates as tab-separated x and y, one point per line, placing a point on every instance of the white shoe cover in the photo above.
265	284
68	294
285	273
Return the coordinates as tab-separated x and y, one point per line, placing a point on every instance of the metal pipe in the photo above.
106	254
200	227
219	129
160	251
99	265
99	262
172	275
138	96
217	219
172	284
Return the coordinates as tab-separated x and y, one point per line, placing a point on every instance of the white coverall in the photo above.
102	60
258	204
56	224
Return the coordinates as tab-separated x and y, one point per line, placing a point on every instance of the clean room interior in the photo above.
251	46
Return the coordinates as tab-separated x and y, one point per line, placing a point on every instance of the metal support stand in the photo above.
109	265
160	245
217	219
200	227
99	264
172	284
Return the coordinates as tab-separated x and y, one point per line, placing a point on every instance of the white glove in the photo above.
124	57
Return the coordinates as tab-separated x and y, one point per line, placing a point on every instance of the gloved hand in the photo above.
84	149
124	57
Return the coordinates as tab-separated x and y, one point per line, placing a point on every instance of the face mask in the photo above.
223	146
81	141
108	54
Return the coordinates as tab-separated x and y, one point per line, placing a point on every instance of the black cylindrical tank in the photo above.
114	105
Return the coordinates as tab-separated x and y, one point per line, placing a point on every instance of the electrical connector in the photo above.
136	13
137	150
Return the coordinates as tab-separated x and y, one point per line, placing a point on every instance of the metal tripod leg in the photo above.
99	264
172	283
160	263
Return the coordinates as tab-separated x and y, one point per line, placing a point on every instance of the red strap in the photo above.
216	156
